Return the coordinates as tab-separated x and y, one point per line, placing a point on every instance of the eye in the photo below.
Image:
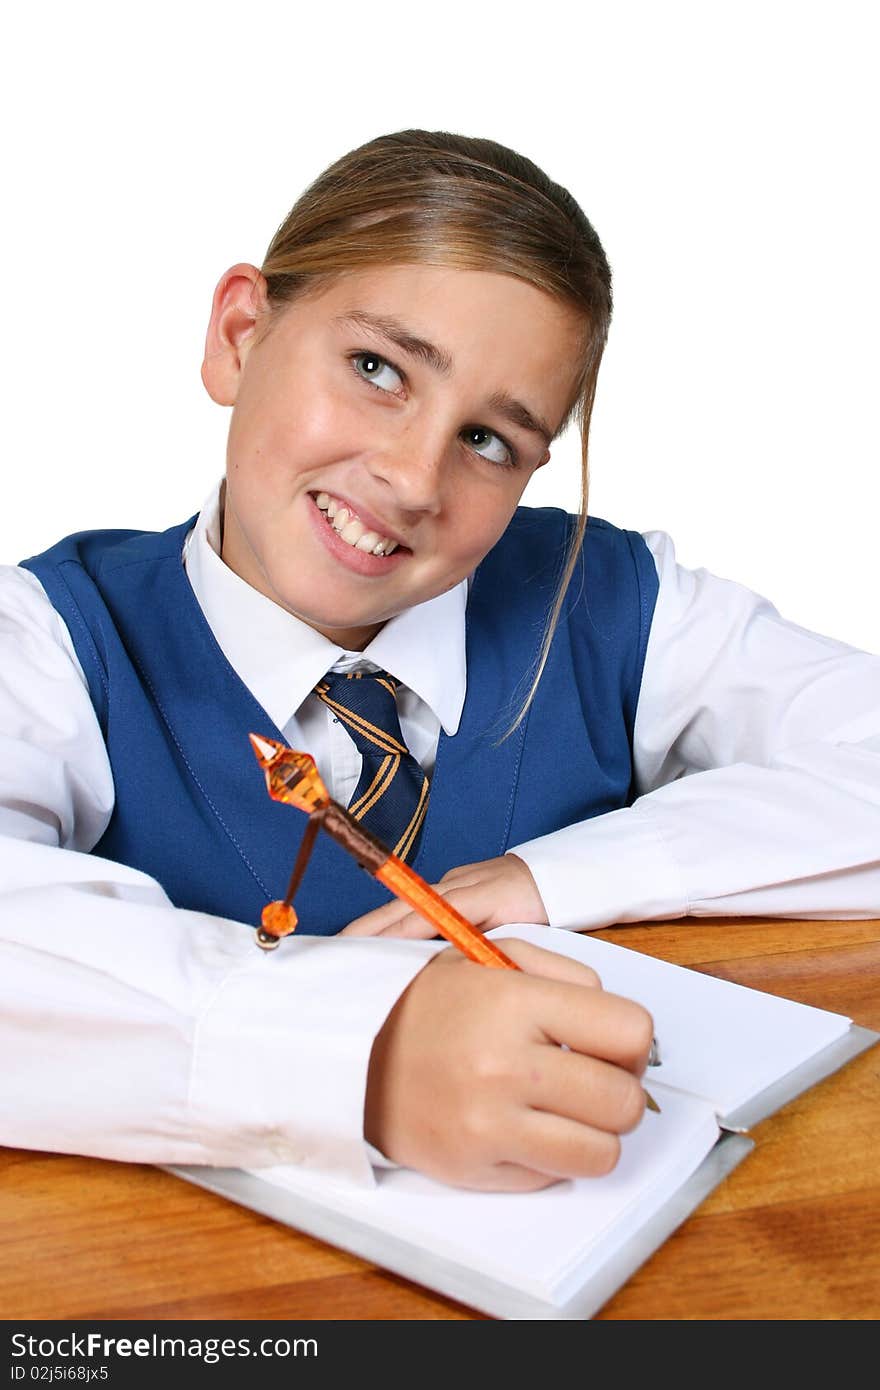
376	365
509	460
374	361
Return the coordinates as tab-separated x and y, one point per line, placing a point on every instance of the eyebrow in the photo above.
441	362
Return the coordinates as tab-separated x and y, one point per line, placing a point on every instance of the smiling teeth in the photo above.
351	530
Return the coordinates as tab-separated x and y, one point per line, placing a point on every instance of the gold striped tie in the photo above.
391	797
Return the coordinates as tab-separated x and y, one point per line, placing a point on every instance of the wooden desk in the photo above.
793	1233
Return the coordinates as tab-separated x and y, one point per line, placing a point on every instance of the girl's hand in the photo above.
489	893
467	1081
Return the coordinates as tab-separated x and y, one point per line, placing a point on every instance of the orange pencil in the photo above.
293	777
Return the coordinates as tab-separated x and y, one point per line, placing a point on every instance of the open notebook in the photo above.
730	1056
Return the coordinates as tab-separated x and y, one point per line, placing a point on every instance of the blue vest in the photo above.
191	806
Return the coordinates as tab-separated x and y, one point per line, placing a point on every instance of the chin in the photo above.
335	621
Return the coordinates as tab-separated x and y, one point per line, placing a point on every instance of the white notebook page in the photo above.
532	1240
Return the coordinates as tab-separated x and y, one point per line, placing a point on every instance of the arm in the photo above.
757	763
131	1029
756	755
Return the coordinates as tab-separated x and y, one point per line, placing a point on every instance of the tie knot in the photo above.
336	681
366	703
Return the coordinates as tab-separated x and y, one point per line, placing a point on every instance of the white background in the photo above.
725	153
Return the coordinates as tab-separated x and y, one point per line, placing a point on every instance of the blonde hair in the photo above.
437	198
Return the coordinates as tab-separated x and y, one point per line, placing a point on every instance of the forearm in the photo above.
797	838
134	1030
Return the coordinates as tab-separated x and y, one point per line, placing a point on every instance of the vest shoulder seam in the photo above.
646	611
109	567
77	613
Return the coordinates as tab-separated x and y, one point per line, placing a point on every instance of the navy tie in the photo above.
391	798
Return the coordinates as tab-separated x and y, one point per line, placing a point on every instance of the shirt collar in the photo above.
281	659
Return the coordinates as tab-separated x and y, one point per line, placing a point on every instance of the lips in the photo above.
355	526
361	562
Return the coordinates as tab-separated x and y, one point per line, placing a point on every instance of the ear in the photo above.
239	301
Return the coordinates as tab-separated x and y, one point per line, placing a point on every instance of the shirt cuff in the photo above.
378	1159
612	868
282	1052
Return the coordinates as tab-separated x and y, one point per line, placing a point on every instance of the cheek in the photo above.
291	430
477	524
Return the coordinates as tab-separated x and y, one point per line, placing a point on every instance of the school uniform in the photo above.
689	752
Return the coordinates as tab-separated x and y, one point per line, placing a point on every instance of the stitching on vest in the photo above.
110	560
521	734
644	622
85	627
107	568
643	600
515	781
192	774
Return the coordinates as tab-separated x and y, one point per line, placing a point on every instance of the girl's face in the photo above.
408	433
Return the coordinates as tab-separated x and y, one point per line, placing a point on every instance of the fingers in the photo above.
576	1136
399	919
561	1148
611	1028
604	1025
536	960
585	1090
504	1177
487	893
375	922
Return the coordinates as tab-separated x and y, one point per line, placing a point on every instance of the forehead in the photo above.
467	301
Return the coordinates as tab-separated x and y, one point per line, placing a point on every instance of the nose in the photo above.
413	470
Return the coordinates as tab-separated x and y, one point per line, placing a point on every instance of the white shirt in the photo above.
281	660
136	1030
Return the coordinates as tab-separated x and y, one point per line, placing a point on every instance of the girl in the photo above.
549	717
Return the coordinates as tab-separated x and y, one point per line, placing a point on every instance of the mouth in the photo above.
352	540
351	528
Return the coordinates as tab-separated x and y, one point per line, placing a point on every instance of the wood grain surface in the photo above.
793	1233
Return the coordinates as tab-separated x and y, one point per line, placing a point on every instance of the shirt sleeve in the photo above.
131	1029
756	758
